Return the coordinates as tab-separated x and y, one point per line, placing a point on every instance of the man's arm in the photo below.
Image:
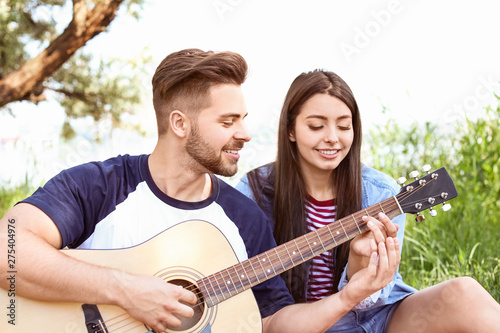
44	273
320	315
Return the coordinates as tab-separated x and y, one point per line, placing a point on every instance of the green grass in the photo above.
432	256
465	240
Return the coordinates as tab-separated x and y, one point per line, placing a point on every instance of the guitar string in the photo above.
390	207
218	280
106	325
106	329
373	210
303	245
306	244
192	287
131	328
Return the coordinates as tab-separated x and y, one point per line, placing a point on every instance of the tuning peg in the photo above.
432	212
446	207
401	181
419	218
426	168
414	174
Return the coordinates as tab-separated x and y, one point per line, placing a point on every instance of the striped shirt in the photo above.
320	214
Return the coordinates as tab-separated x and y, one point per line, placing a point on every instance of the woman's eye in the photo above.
227	123
315	128
345	128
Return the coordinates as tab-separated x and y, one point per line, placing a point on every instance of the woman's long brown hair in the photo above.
289	187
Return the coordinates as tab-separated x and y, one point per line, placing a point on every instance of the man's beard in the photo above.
205	155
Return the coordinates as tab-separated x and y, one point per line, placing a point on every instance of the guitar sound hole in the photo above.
199	308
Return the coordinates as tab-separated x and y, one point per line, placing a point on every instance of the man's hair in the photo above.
183	79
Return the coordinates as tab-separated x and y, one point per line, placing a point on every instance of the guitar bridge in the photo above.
93	319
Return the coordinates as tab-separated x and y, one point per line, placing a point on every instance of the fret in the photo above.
230	282
214	292
254	272
326	240
315	243
278	256
288	252
322	245
242	286
307	241
343	229
244	271
270	263
360	232
333	237
260	263
381	208
298	249
225	285
204	290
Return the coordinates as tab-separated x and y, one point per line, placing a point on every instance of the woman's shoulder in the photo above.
258	185
262	175
264	171
377	185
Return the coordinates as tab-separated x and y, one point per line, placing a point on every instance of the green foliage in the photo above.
399	150
84	86
9	196
101	90
464	240
24	26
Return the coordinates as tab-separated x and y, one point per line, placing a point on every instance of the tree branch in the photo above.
86	23
84	97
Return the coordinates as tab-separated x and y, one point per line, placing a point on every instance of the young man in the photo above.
127	200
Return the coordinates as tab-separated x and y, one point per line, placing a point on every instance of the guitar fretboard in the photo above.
237	278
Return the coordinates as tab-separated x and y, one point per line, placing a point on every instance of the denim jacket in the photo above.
376	186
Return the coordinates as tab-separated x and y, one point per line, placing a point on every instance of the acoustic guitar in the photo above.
201	260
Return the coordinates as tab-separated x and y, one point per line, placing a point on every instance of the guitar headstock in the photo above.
434	188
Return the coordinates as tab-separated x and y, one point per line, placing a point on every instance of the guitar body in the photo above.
182	254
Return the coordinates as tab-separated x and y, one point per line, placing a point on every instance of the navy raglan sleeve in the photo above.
77	198
63	199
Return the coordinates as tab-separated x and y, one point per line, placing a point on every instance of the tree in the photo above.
82	86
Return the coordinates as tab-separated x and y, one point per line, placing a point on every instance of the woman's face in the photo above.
323	133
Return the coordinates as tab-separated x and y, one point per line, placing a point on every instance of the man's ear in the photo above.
179	123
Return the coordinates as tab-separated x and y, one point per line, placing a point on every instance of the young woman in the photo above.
318	178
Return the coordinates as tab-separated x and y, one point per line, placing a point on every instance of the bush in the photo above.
464	240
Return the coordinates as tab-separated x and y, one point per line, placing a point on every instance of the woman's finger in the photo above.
390	227
377	230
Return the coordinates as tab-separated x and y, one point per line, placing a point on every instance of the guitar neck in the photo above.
237	278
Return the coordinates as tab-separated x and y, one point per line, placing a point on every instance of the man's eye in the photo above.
227	123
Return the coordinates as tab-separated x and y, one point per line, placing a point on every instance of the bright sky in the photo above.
423	60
